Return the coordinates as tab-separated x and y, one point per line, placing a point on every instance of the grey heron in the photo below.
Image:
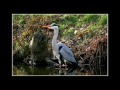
60	50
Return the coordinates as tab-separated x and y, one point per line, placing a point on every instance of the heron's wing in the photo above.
66	49
66	52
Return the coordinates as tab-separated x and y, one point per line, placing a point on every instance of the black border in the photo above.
67	7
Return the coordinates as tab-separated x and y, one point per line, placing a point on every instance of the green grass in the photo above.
90	18
103	20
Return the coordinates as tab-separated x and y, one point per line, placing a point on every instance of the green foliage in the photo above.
90	18
103	20
62	27
79	24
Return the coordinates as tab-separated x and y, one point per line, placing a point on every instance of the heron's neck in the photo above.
54	40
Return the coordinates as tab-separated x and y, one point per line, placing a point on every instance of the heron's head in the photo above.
52	26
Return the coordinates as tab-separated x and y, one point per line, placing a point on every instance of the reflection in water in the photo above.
83	70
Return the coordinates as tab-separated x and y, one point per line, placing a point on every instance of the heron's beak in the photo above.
46	26
49	27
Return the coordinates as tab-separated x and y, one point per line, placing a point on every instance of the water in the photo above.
52	71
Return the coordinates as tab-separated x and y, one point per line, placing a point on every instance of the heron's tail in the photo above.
75	64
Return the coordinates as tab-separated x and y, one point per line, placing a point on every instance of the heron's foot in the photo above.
60	66
64	65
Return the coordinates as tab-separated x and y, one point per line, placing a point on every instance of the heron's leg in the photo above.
65	63
59	63
54	56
